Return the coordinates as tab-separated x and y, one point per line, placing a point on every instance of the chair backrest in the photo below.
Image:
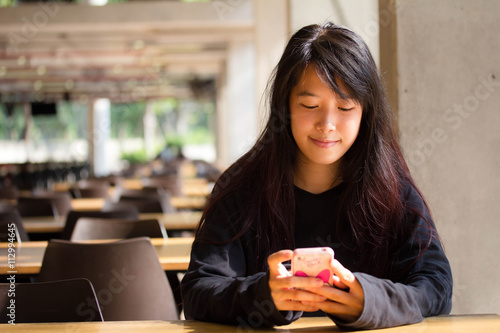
121	213
147	200
96	228
127	275
172	184
9	216
113	180
44	302
10	192
45	204
145	192
29	206
146	205
91	188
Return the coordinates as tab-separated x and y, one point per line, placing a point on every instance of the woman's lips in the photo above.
324	143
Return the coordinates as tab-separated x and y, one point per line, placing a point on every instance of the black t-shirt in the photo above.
316	219
218	286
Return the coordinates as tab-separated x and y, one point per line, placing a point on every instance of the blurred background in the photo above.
92	88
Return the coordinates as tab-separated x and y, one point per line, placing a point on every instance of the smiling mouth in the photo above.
324	143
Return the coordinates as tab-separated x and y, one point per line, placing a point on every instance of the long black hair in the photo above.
373	170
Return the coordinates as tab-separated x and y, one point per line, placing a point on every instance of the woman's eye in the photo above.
345	109
309	106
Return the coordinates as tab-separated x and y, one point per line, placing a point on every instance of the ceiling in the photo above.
125	52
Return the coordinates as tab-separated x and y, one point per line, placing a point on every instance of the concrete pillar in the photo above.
272	31
149	130
448	91
221	136
388	50
99	134
236	118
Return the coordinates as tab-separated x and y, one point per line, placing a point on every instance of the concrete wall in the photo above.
359	15
449	118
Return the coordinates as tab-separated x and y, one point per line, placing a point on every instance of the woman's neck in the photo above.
315	178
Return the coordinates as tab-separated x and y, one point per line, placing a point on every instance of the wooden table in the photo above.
190	186
88	203
175	221
173	253
172	221
441	324
191	202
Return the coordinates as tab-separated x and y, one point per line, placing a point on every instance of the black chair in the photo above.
95	228
71	300
10	193
113	180
171	184
206	170
144	192
127	275
125	212
93	188
9	216
146	200
45	204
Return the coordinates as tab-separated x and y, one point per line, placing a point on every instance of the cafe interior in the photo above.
116	120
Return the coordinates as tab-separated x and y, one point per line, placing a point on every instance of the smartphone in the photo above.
313	261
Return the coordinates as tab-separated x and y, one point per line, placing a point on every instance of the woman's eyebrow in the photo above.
347	98
306	93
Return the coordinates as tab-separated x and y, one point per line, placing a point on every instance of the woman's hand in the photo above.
283	285
346	300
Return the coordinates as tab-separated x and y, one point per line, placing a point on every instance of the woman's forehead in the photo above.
311	77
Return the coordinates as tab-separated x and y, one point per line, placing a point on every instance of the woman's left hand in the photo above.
345	300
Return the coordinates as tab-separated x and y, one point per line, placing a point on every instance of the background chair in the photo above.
9	193
56	301
206	170
146	200
124	212
95	228
129	281
9	215
113	180
93	188
171	184
45	204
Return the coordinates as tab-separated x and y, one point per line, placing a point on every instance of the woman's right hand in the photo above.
285	288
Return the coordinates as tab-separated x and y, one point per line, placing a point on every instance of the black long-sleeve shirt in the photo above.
218	286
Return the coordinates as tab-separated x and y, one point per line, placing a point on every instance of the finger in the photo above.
339	284
341	303
286	297
275	262
297	306
301	295
295	282
345	276
346	312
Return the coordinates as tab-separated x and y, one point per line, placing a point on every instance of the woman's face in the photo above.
323	125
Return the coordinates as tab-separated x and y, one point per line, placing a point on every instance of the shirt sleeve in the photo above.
218	287
426	290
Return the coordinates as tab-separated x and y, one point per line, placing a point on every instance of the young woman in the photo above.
326	171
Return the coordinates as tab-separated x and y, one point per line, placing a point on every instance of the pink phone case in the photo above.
313	261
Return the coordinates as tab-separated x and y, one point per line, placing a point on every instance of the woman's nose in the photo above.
326	123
